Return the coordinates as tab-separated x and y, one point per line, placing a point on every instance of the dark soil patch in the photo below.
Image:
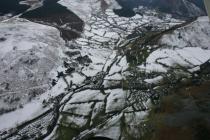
183	114
56	15
11	7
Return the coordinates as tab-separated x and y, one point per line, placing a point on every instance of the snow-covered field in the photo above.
186	47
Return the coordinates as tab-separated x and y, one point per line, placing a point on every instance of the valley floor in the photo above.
125	78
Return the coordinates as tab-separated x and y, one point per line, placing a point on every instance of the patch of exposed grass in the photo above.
192	128
66	133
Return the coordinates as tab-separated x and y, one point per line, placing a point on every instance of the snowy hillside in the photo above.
85	8
30	53
186	47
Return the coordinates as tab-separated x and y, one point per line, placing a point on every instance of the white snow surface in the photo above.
116	100
186	47
195	34
30	53
87	96
85	8
155	80
29	111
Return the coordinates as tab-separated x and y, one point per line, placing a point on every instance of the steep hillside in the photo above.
180	8
11	7
30	54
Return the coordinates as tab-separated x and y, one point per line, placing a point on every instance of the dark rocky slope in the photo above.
179	8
